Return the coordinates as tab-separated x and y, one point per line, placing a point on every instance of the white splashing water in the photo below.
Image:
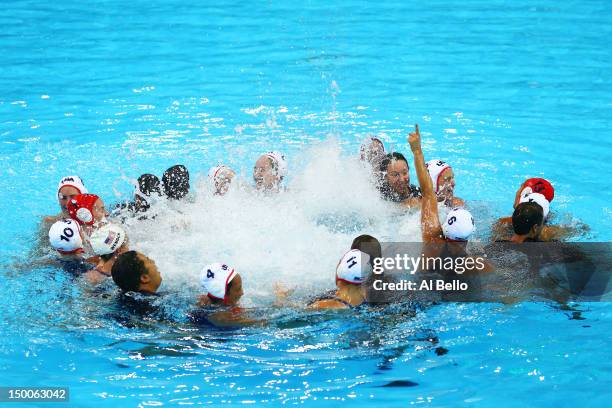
295	237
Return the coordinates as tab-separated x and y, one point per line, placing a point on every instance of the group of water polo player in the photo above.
90	239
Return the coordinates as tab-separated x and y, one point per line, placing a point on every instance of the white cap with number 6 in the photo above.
459	225
65	237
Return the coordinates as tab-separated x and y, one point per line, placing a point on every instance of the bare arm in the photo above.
327	304
430	222
562	232
502	229
233	318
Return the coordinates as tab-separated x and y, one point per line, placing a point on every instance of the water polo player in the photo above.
352	272
394	180
450	238
219	306
443	179
68	187
269	172
543	192
88	210
108	242
135	272
220	178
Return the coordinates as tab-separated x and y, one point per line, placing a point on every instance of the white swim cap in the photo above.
435	168
107	239
72	181
65	237
215	277
459	225
538	199
354	267
214	174
366	149
281	162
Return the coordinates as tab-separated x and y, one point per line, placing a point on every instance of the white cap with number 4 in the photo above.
354	267
215	278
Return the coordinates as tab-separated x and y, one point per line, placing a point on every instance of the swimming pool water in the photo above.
109	90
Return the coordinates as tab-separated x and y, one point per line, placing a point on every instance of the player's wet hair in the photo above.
389	157
525	216
369	245
127	270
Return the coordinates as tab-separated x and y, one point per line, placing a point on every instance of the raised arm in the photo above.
430	222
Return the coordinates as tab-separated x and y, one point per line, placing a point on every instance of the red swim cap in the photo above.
541	186
80	208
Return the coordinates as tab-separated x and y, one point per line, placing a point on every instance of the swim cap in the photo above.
214	174
459	225
281	162
538	185
148	183
80	208
107	239
366	149
65	237
540	200
215	278
435	169
72	181
354	267
176	182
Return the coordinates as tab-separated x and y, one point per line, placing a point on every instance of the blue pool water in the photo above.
109	90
